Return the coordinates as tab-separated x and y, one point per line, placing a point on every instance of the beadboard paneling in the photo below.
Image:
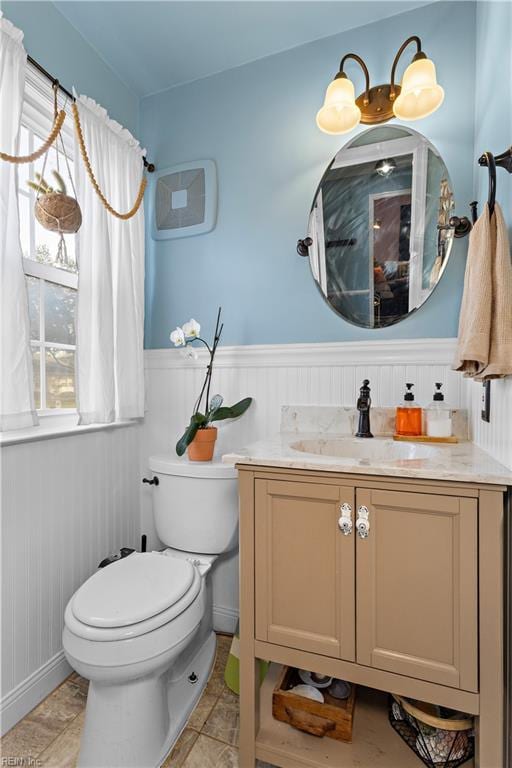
66	503
495	437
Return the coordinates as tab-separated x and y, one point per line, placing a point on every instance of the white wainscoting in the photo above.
495	437
291	374
67	502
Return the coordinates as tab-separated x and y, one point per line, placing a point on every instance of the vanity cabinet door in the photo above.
304	567
417	599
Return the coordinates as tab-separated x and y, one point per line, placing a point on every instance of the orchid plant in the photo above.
185	336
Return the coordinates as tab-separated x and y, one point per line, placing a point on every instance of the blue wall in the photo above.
54	42
493	107
258	123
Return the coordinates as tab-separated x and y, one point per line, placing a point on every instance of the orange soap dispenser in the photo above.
408	415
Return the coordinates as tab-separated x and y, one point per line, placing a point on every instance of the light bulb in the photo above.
420	95
339	114
385	167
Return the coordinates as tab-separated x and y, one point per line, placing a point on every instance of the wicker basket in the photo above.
438	738
58	213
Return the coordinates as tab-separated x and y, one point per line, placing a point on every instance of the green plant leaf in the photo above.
197	421
232	412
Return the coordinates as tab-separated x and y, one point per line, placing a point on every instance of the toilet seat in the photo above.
133	596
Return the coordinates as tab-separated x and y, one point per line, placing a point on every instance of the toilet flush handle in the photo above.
153	481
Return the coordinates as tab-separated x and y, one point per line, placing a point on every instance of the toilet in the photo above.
141	629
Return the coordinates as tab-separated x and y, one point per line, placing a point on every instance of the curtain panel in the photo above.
110	314
16	382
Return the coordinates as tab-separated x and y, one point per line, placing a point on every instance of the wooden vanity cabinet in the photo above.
393	606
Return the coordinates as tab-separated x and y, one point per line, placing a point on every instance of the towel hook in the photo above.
504	160
488	160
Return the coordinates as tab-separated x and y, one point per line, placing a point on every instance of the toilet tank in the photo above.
195	504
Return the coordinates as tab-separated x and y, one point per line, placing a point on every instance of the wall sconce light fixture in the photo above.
418	96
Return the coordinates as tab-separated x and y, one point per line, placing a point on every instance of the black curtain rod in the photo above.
54	81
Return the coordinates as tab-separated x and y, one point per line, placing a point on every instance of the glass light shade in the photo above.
339	114
420	94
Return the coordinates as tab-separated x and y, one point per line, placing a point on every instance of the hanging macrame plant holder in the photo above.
57	211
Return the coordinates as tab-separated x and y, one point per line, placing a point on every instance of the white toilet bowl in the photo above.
119	635
141	629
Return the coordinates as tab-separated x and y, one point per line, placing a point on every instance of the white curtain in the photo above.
16	382
110	316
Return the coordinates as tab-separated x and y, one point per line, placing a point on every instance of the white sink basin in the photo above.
366	449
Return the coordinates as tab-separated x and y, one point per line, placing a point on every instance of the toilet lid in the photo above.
132	589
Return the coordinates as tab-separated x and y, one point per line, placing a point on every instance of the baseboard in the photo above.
27	695
225	619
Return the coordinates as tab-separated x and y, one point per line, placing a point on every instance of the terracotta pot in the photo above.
203	445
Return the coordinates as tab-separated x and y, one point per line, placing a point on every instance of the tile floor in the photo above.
50	734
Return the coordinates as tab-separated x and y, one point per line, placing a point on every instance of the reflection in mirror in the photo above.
380	226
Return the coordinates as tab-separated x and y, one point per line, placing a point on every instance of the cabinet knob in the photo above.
345	519
363	522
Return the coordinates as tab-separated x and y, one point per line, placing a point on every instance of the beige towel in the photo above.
484	349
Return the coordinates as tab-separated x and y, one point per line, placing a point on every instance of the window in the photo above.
52	281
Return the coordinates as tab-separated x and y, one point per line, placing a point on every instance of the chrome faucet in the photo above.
364	402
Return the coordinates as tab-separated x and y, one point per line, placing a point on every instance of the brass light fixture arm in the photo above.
363	66
419	55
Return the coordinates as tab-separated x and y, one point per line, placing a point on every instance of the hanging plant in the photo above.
54	209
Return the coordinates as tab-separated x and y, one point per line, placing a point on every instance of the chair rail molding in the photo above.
324	354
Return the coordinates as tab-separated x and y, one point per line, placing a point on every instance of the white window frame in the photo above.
37	117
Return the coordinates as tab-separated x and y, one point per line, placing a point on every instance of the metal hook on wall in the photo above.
503	160
487	159
304	245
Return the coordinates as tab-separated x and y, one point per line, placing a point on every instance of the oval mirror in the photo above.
379	226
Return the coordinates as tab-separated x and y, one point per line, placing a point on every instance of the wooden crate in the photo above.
333	718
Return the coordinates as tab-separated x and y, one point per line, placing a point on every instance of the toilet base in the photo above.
142	737
184	695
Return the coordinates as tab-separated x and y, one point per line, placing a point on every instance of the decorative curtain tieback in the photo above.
85	158
57	125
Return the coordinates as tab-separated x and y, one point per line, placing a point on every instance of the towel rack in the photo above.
504	160
462	226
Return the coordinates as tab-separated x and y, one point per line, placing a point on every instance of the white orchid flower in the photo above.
192	329
178	337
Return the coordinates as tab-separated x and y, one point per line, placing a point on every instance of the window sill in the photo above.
58	425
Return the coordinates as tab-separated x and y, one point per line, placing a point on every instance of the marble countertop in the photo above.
461	462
